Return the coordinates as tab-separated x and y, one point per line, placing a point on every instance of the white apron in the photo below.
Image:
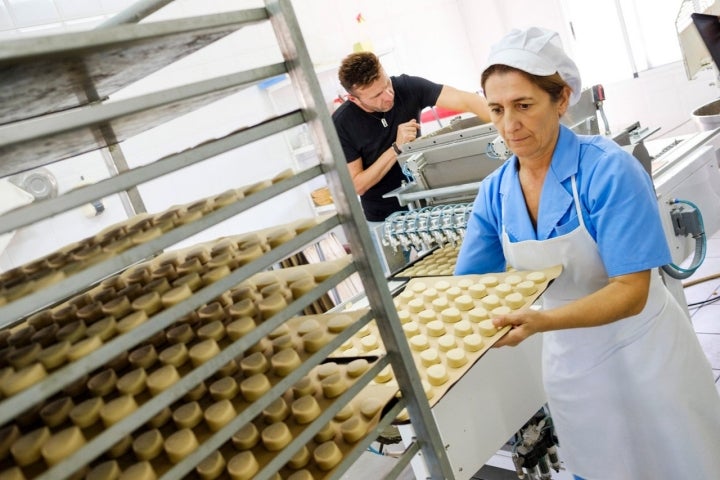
632	400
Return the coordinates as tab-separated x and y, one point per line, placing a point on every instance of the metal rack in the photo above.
40	129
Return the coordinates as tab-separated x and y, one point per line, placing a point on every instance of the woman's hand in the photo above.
521	322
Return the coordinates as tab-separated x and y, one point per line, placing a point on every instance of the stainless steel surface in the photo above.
40	75
36	142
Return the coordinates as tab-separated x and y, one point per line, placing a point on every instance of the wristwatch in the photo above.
396	148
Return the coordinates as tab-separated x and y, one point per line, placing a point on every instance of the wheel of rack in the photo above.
42	121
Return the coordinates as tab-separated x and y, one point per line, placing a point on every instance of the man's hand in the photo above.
407	132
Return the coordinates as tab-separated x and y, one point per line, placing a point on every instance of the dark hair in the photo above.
359	70
552	84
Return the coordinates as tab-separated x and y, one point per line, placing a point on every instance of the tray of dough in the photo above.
447	322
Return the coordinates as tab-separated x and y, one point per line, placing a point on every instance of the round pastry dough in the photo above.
117	409
276	436
452	293
503	289
369	342
22	379
411	329
277	411
526	288
333	386
357	367
243	466
139	471
487	328
211	467
132	382
418	287
226	388
536	277
489	280
477	290
446	342
62	445
437	374
491	301
464	303
247	437
416	305
427	316
219	414
86	413
442	285
252	388
385	375
346	412
162	379
440	304
464	283
327	455
406	295
285	362
456	357
254	363
180	444
187	415
513	279
305	409
148	445
430	294
339	323
462	328
478	314
404	316
353	429
515	300
429	356
501	310
473	342
419	343
451	315
436	328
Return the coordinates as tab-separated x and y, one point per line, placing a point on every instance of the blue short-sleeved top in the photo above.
617	199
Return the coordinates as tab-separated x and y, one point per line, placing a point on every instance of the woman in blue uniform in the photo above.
629	389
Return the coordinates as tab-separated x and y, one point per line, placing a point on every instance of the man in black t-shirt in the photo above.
381	114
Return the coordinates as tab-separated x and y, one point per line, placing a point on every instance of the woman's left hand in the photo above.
521	323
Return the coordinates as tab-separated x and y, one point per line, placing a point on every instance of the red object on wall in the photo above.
429	116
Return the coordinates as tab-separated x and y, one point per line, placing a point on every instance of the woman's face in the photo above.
524	115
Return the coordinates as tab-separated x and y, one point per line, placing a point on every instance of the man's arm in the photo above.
363	178
463	101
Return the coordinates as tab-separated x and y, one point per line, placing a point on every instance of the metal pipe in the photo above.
439	192
134	13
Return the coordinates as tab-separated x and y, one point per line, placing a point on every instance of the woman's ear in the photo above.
564	102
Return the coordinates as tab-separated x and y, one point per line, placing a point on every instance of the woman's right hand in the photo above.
521	323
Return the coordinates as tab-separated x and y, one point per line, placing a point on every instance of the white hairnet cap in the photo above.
538	51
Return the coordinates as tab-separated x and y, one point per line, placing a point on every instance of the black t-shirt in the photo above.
362	135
